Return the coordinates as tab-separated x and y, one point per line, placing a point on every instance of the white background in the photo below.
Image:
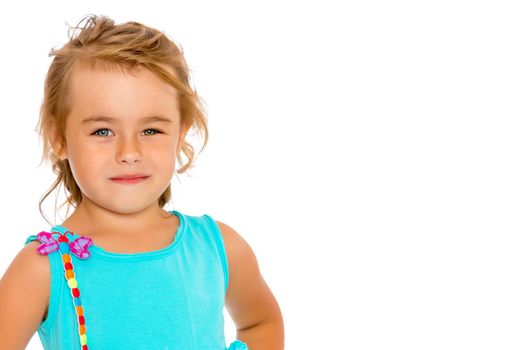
371	153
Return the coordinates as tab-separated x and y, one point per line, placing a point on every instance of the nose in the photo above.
128	151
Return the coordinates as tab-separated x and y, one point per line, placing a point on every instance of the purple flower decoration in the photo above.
79	246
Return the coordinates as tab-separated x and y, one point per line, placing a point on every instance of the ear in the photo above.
57	142
182	135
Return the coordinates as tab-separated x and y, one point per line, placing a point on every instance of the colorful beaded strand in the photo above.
64	247
73	286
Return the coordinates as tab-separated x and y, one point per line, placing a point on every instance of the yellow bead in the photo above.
83	339
72	283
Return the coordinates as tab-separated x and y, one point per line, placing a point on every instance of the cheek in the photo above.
167	160
164	155
86	161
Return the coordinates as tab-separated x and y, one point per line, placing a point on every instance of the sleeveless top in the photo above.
167	299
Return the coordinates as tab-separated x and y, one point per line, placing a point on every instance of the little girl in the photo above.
121	272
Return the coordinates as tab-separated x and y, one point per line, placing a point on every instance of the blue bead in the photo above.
77	302
64	247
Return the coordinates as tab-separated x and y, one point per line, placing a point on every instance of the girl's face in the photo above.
122	124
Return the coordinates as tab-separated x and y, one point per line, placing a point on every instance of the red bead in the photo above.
68	266
84	347
76	292
81	320
62	238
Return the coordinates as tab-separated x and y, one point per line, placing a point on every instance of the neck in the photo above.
89	218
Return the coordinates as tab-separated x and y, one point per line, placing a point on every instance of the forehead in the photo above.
106	88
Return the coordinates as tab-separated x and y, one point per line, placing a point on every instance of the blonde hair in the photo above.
125	46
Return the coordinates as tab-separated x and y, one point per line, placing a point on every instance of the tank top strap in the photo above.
67	245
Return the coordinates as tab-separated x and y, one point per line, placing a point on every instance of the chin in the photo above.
130	208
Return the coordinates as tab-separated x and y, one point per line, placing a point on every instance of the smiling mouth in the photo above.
129	180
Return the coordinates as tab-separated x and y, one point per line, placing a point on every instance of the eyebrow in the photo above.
102	118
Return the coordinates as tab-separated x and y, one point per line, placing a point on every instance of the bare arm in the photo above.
24	294
249	300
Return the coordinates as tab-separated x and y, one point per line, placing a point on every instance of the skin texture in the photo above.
249	300
101	150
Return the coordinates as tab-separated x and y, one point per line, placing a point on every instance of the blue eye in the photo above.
96	132
155	131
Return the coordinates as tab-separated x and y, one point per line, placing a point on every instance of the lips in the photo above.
129	177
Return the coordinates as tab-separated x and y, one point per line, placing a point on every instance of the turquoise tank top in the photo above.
168	299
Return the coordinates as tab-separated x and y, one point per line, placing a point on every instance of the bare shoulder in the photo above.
24	295
30	264
242	260
236	246
249	299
